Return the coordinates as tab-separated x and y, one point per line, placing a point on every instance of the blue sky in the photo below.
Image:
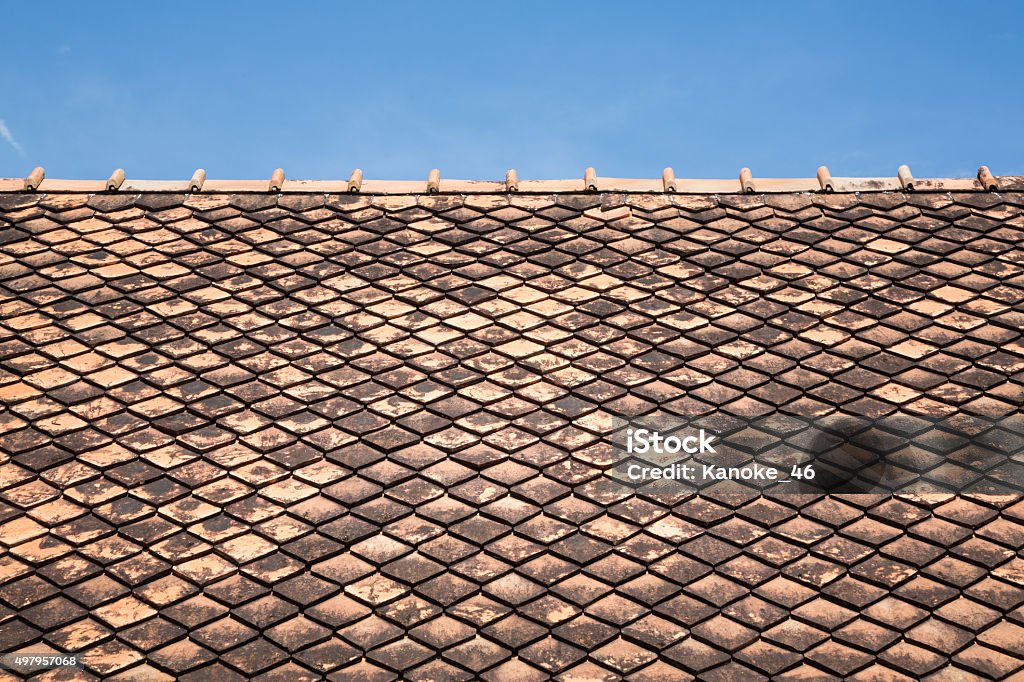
546	88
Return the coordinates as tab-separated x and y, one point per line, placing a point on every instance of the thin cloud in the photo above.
5	133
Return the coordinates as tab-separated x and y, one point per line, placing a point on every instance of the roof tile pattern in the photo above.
359	437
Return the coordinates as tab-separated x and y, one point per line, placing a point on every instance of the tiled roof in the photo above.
360	436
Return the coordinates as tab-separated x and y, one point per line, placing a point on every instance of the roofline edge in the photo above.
682	186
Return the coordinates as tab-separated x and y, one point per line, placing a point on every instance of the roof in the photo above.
362	435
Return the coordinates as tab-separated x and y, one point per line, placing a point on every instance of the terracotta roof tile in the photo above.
315	433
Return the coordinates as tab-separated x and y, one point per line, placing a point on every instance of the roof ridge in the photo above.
746	183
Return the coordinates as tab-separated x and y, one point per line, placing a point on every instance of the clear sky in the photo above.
548	88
